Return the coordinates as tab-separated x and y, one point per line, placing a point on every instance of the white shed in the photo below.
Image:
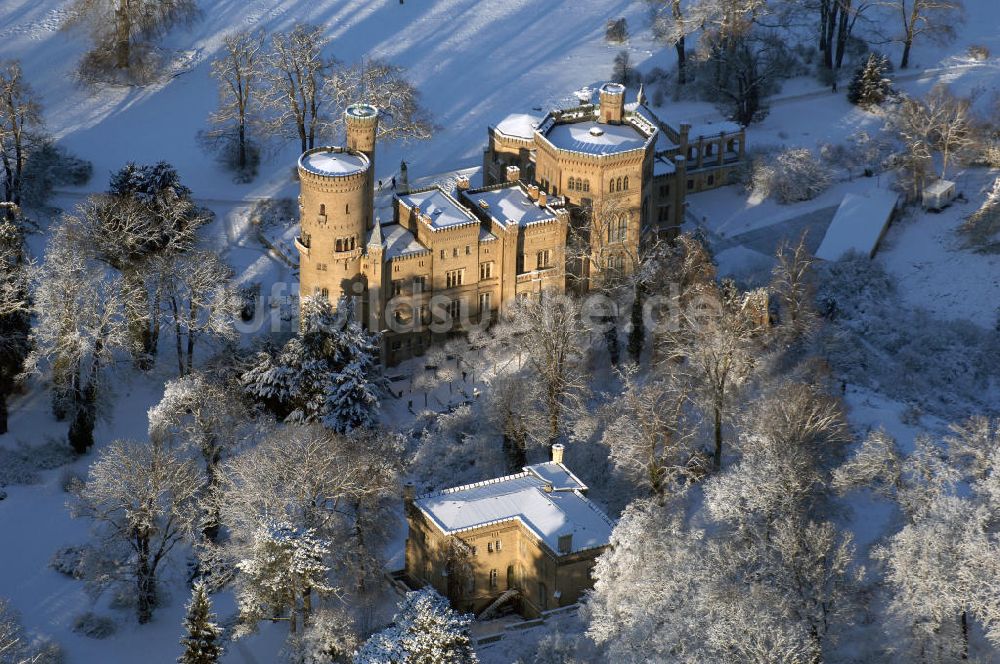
938	194
859	224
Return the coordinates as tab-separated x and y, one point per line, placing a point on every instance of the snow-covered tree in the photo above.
79	329
384	85
202	634
201	302
328	373
307	479
121	30
239	72
649	434
793	285
551	332
329	638
142	499
20	122
425	630
15	645
715	346
791	176
296	74
279	573
870	85
15	311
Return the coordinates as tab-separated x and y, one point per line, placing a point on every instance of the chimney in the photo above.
557	452
403	186
513	174
548	487
612	108
462	183
409	491
533	192
542	198
566	543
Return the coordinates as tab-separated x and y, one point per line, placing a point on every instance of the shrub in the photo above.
624	71
52	166
979	52
616	31
93	626
795	175
68	560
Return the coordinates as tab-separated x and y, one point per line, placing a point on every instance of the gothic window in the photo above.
611	186
493	578
625	183
586	185
347	208
340	245
322	209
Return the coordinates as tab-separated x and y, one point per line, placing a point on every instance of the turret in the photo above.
361	121
612	97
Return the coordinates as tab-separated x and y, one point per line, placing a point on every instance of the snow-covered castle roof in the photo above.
547	498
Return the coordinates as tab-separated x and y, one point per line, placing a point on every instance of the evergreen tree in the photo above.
870	86
201	645
329	373
426	630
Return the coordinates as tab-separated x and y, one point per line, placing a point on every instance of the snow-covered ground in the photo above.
474	62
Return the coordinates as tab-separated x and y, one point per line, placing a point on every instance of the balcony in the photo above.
302	246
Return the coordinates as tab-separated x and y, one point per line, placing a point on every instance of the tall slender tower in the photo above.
335	202
335	209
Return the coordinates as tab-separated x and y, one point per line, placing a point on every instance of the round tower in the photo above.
361	121
335	215
612	99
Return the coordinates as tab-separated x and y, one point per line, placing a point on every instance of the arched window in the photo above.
571	185
322	209
622	227
347	208
611	185
586	185
340	245
626	183
618	185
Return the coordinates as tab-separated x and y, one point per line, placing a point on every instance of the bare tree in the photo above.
239	72
716	345
20	119
384	85
79	330
671	25
143	501
120	28
551	331
934	19
792	283
649	435
202	301
296	76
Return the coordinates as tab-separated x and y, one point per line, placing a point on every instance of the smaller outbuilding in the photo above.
859	224
939	194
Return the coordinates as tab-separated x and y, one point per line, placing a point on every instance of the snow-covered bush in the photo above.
94	626
793	176
274	212
22	464
426	629
68	560
329	637
945	367
982	227
616	31
457	448
979	52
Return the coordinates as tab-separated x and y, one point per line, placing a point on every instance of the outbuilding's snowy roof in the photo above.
510	205
443	210
858	224
549	515
399	241
333	162
519	125
939	187
593	137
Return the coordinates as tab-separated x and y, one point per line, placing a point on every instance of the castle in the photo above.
567	200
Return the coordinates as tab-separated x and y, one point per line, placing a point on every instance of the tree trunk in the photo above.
123	28
843	31
145	577
192	322
3	413
242	145
965	635
177	335
637	334
905	62
717	459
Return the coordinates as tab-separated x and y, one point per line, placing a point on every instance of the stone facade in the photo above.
596	177
517	558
